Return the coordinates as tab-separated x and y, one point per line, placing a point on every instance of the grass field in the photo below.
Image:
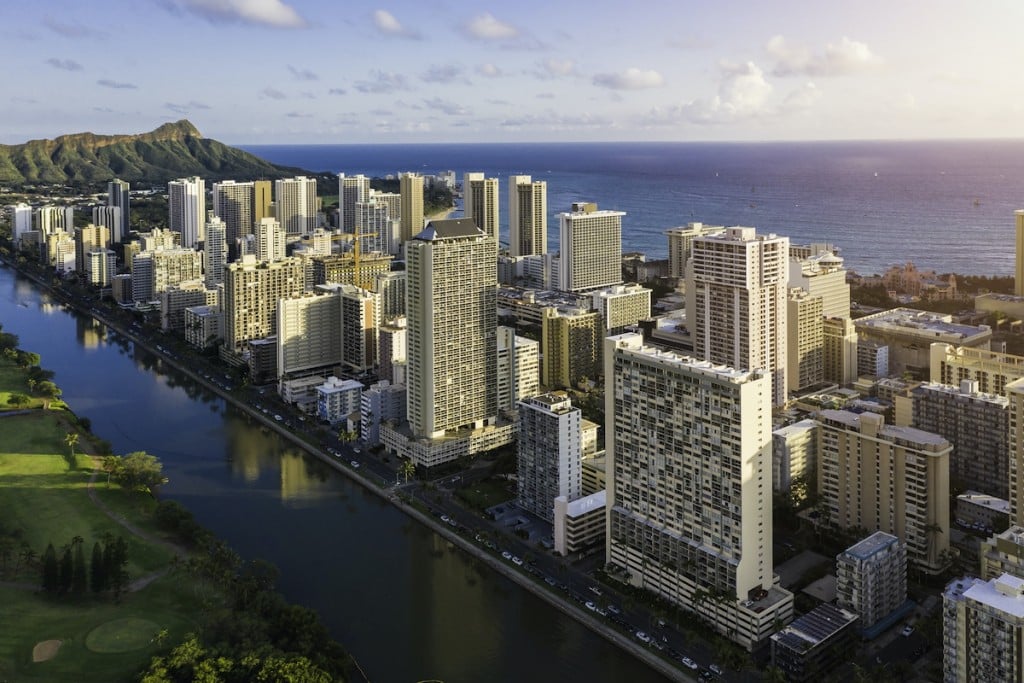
28	619
486	493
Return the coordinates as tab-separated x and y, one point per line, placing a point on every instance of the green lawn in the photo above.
29	618
487	493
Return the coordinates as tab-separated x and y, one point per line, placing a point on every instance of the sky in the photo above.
433	71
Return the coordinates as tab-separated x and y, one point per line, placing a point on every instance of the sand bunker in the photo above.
45	649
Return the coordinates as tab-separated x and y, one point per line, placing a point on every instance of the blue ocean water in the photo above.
944	205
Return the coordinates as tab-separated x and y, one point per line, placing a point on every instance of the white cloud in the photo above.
555	68
486	27
302	74
847	57
552	120
64	64
383	82
743	93
274	94
803	97
107	83
448	73
488	70
336	91
630	79
185	108
387	24
72	30
450	108
273	13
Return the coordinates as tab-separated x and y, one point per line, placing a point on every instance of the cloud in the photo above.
185	108
302	74
384	82
273	93
387	24
442	74
555	68
272	13
486	27
688	43
298	115
488	70
72	30
382	112
630	79
107	83
65	64
849	56
743	93
545	96
803	97
450	108
103	110
336	91
555	121
500	103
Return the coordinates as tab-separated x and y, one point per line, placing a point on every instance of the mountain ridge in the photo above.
170	151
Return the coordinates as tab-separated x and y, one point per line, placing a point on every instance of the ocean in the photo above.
946	206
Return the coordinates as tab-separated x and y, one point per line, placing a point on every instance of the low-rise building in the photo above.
338	400
579	524
871	580
814	644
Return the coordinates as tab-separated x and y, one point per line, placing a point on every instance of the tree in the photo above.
98	574
17	400
115	559
71	440
66	570
138	470
346	436
79	576
408	469
49	391
51	571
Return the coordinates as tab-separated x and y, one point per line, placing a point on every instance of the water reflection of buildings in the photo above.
89	332
253	451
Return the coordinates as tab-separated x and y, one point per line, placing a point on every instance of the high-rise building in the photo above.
621	306
978	426
795	455
187	204
51	219
119	196
410	187
308	334
736	302
1015	393
235	204
518	368
21	220
983	629
452	316
100	266
295	205
527	216
805	346
215	251
175	299
153	272
89	238
480	197
549	454
680	245
270	240
393	343
1018	279
570	346
689	459
992	370
871	578
351	191
360	326
251	292
895	479
110	218
817	270
591	248
373	223
839	350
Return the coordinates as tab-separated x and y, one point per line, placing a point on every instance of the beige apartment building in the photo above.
251	293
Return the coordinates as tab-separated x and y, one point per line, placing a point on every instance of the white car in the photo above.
907	630
590	606
516	561
355	464
643	637
689	663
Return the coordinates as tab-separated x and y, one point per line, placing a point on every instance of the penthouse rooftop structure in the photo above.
527	305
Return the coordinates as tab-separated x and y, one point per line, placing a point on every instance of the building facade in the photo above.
186	200
591	248
871	578
527	216
480	197
549	453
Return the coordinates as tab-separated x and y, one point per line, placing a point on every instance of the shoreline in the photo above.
382	490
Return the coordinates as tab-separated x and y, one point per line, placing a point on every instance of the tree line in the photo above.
68	575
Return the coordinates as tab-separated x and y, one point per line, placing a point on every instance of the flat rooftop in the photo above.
871	545
910	321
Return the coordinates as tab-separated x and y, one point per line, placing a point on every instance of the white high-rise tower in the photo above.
480	195
295	205
527	216
187	204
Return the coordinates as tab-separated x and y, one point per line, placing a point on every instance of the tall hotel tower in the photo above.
119	196
736	302
481	202
527	216
689	448
1018	280
295	205
351	191
410	187
187	202
236	204
452	291
591	248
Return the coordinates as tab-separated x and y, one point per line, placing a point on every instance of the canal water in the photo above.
404	602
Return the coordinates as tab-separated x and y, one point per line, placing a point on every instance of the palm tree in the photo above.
71	439
408	469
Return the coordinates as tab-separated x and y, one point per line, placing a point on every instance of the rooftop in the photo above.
1005	594
907	320
580	506
449	228
871	545
815	627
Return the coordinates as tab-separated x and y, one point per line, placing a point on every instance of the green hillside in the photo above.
171	151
